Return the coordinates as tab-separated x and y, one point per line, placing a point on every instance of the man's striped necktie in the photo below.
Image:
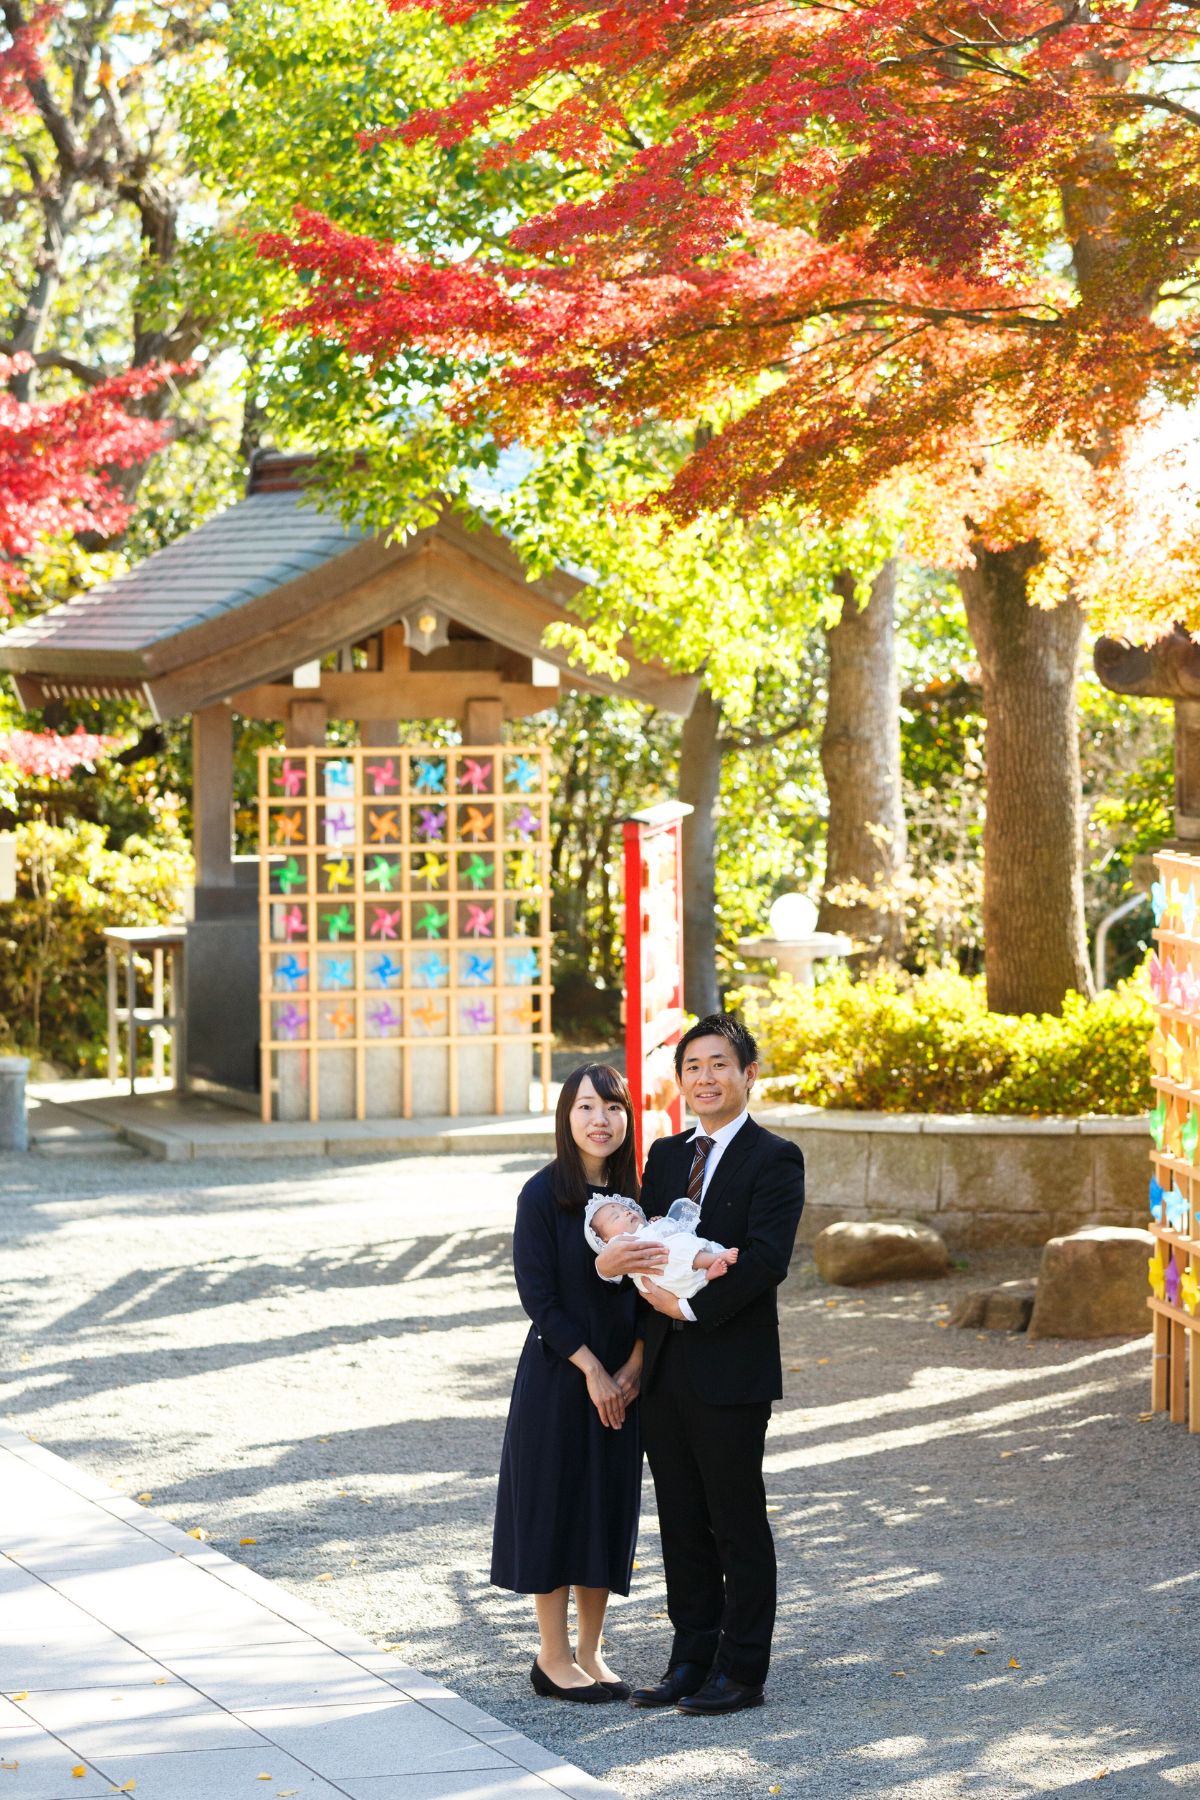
700	1158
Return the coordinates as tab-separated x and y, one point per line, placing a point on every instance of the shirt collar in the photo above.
723	1134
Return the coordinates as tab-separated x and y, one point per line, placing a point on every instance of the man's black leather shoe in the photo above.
721	1694
680	1680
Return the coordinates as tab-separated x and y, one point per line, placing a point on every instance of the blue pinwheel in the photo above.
479	968
431	775
291	972
525	774
523	967
385	970
432	971
337	972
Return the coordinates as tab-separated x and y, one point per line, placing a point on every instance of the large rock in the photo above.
1093	1284
856	1251
1008	1307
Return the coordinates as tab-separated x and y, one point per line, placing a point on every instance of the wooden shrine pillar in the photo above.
1187	771
482	721
306	722
1166	669
212	796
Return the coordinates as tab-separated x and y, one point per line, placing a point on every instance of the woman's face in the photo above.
598	1126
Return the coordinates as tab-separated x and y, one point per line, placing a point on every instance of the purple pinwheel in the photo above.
293	1021
1173	1282
479	1015
431	822
384	1017
525	823
339	825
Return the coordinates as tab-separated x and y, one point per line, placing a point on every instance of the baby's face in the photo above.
614	1220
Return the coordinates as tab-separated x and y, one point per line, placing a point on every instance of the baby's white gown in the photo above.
683	1246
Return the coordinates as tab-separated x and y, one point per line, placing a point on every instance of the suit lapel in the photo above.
732	1158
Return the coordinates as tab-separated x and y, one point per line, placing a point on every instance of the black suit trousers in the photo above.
718	1552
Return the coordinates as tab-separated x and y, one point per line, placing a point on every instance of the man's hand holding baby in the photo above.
631	1256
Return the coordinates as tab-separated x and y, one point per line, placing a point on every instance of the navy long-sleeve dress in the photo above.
570	1487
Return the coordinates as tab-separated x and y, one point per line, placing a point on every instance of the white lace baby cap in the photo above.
685	1214
593	1207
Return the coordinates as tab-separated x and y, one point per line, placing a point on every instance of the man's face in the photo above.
715	1087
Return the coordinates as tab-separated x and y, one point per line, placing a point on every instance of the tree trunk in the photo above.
866	844
1035	945
700	753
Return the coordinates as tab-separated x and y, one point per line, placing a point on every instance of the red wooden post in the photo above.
654	967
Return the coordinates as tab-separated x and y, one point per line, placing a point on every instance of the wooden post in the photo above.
379	734
306	724
483	722
1187	769
212	796
1159	1366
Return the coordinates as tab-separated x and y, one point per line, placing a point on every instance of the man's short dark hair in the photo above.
719	1025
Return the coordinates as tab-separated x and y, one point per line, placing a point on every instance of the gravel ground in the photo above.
987	1555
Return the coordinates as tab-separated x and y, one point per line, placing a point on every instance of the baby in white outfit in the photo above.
691	1261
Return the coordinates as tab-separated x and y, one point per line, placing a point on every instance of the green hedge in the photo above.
70	886
929	1044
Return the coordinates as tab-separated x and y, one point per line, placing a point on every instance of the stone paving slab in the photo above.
136	1658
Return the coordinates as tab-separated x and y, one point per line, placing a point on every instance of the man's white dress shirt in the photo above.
721	1138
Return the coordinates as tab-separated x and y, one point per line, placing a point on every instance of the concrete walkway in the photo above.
136	1659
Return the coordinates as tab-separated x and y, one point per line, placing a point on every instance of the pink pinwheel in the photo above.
479	921
293	922
1173	985
291	778
1191	990
384	776
1156	975
475	775
384	924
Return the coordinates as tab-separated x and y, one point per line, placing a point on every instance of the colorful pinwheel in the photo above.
429	1015
478	871
525	824
384	923
291	778
293	1021
383	776
384	970
289	827
339	778
338	874
525	774
342	1020
337	971
476	775
432	921
293	922
291	972
431	775
479	968
480	920
339	825
477	824
382	826
1171	1283
523	967
382	874
479	1015
290	875
384	1017
432	971
432	870
1189	1289
523	1012
431	822
339	924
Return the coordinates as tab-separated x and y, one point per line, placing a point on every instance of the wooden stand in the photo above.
405	907
1175	1128
124	944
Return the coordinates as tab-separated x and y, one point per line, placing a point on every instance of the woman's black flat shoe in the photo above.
618	1689
596	1695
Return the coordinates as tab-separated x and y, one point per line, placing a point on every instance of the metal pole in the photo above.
1102	930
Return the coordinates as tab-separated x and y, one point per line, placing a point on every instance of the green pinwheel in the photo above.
290	876
339	924
382	873
432	921
478	872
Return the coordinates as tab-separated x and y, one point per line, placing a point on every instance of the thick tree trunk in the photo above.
1035	945
700	752
866	846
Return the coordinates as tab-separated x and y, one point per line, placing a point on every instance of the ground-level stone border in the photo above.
977	1178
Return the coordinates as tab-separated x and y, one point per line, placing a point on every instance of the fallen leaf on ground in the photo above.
899	1671
1099	1775
79	1769
937	1653
284	1793
831	1303
821	1361
326	1577
145	1499
775	1790
247	1540
943	1324
198	1532
774	1509
9	1765
126	1787
25	1356
1013	1663
23	1695
161	1680
1145	1418
264	1778
979	1651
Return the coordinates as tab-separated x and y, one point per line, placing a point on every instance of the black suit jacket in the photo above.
753	1203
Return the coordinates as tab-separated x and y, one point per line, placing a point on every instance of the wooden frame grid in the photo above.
1175	1129
401	890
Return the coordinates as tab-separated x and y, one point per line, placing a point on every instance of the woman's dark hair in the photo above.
720	1025
570	1181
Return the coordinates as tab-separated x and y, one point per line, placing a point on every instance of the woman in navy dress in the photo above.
571	1468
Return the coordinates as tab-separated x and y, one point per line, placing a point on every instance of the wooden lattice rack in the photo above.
1175	1130
405	907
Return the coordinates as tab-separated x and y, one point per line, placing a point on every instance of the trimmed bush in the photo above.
70	886
929	1044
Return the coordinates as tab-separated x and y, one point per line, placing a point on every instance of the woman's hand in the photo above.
631	1256
606	1397
629	1376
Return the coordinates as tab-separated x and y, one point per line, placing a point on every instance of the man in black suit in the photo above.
712	1368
